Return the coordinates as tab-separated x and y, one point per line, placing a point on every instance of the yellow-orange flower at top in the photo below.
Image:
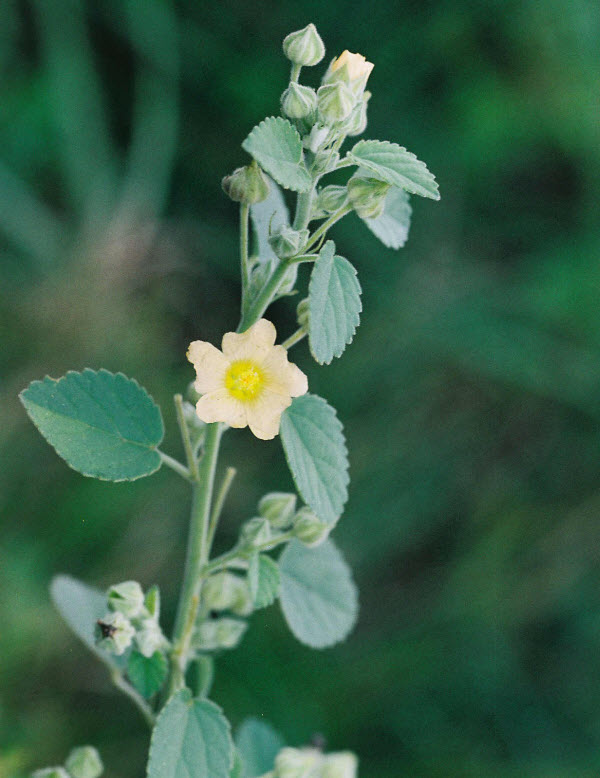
249	383
357	65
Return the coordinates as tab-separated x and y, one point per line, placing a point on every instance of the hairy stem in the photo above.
231	558
219	502
294	338
303	209
175	465
185	437
197	557
320	233
245	266
264	299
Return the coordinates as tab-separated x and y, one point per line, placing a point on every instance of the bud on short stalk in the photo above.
357	123
126	598
219	633
367	196
286	242
298	763
278	508
304	47
309	529
342	764
299	102
331	198
84	762
353	70
114	633
246	185
227	592
335	102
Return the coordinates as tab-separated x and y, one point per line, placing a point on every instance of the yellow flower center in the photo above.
244	380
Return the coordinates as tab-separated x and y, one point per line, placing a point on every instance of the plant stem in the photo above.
133	695
335	217
231	556
296	337
197	557
219	502
264	299
176	466
185	437
303	209
295	73
244	224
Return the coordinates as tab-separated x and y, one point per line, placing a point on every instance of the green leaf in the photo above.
275	144
394	164
147	674
315	449
392	226
318	596
103	425
263	579
191	739
334	305
258	744
81	606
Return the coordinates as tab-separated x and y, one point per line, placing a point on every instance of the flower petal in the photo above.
252	344
281	376
221	406
264	414
210	365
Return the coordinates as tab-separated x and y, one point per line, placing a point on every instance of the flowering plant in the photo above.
107	426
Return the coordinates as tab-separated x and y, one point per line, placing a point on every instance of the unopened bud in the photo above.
350	69
219	633
51	772
246	185
304	47
278	508
309	529
227	592
286	242
298	763
325	161
126	598
318	137
335	102
357	123
367	196
298	102
256	531
114	633
342	764
150	638
302	313
331	198
84	762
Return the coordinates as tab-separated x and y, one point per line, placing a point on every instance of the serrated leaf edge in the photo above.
269	120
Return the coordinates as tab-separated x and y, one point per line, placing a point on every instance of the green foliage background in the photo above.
471	395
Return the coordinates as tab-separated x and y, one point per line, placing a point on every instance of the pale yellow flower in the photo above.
249	383
357	65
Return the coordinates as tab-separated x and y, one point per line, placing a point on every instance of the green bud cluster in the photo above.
299	102
309	529
335	103
227	592
246	185
220	633
82	762
278	508
132	620
286	242
367	196
256	532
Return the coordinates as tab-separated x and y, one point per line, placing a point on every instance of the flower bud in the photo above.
51	772
342	764
286	242
298	102
335	102
84	762
331	198
225	591
309	529
219	633
126	598
318	136
350	69
302	313
367	196
246	185
114	633
357	123
256	531
304	47
278	508
150	638
298	763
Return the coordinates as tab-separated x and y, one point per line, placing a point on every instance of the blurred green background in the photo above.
471	395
